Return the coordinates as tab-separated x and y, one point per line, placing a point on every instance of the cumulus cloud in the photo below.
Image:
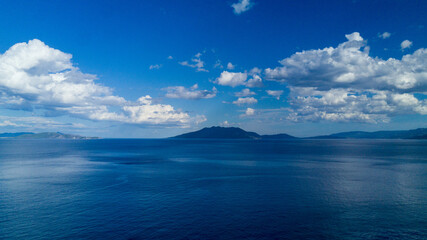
245	100
170	57
244	93
34	75
354	37
384	35
241	6
275	93
230	66
196	63
255	81
234	79
155	66
250	112
346	84
189	93
405	44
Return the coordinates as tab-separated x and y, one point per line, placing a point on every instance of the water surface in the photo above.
213	189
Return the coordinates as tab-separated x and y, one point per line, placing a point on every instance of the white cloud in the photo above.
145	112
32	123
155	66
346	84
244	93
241	6
196	63
384	35
170	57
276	93
349	66
225	124
218	64
245	100
7	123
33	75
354	37
255	71
234	79
189	93
405	44
352	105
230	66
250	112
255	81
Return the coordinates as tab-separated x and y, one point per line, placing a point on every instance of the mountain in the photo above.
221	132
10	135
419	133
238	133
45	135
278	136
420	137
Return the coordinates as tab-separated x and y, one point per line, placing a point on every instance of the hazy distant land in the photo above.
238	133
216	132
44	135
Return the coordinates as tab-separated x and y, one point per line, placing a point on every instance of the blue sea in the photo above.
213	189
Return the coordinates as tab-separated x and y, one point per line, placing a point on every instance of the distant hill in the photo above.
402	134
10	135
221	132
238	133
231	133
278	136
45	135
420	137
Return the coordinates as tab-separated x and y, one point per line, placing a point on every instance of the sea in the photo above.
213	189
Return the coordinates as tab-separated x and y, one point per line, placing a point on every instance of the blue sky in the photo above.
160	68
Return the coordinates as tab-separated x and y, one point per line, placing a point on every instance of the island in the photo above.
43	135
217	132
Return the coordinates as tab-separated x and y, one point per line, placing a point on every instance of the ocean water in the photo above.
213	189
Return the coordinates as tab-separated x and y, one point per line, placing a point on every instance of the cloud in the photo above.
384	35
349	66
170	57
156	66
275	94
196	63
245	100
218	64
241	6
189	93
230	66
346	84
346	105
250	112
405	44
244	93
234	79
36	76
225	124
33	123
354	37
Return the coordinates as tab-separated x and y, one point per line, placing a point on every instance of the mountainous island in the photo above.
216	132
230	133
44	135
238	133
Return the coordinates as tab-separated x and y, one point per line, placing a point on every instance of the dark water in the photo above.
186	189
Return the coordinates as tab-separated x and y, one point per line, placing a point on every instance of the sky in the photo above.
150	69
